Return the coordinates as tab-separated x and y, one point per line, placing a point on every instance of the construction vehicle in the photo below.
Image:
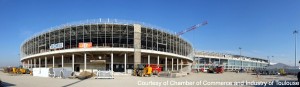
15	70
20	70
146	70
217	69
155	68
139	70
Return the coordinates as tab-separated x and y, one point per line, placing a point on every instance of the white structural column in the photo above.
28	63
34	66
125	61
242	64
148	59
112	62
177	64
172	64
62	61
39	62
53	61
219	61
84	61
73	63
181	65
166	62
45	62
31	63
158	60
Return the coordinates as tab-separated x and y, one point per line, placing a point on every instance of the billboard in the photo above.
85	45
57	46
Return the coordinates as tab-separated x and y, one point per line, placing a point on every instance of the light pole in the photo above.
269	60
295	32
241	56
240	51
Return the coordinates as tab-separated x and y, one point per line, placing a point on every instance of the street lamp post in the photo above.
269	61
240	51
295	33
241	56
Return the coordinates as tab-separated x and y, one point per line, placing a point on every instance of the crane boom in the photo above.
192	28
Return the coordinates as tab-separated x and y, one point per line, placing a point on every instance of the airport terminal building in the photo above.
204	59
105	44
119	45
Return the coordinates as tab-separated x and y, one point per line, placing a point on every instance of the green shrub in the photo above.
282	72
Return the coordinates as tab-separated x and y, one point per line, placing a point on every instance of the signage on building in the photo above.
85	45
57	46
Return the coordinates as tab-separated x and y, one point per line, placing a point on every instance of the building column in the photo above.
84	62
219	62
242	64
228	65
31	63
148	59
28	64
112	62
157	60
125	61
172	65
177	64
73	68
181	65
23	63
39	62
34	60
53	62
137	44
45	62
62	61
166	62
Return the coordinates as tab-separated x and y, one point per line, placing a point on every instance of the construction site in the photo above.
110	49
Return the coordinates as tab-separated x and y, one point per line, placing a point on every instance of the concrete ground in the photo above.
192	80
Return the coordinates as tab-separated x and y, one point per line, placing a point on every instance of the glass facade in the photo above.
229	64
105	36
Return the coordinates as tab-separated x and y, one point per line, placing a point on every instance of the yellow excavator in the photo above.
142	71
148	71
16	70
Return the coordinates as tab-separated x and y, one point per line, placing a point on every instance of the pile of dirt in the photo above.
85	75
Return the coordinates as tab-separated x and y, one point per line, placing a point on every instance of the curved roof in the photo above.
101	21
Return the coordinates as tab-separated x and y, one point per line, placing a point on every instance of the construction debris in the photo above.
104	75
85	75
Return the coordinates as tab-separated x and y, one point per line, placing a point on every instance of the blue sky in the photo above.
260	27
